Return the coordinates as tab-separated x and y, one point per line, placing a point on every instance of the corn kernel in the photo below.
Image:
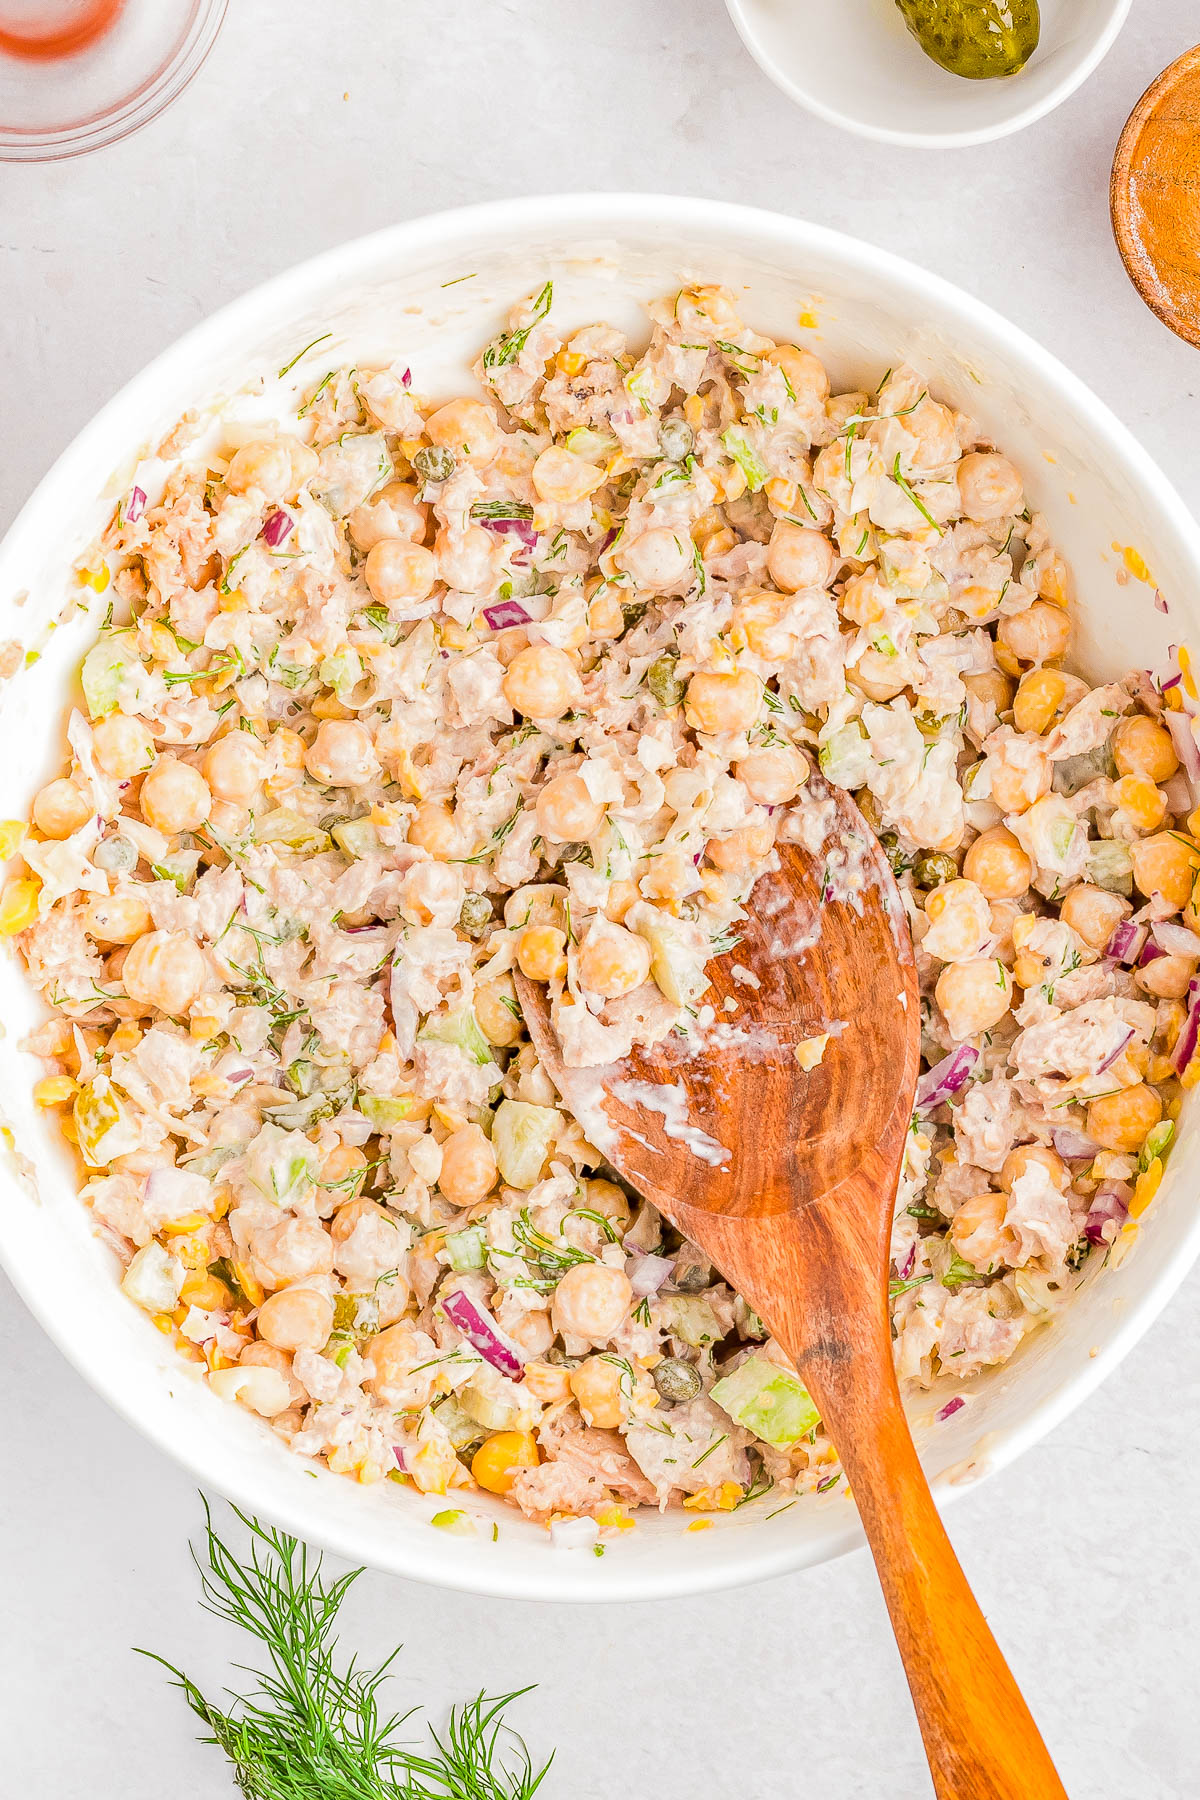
126	1037
570	362
1189	1078
328	706
18	904
251	1288
232	602
203	1027
94	578
190	1222
781	493
55	1090
12	835
1023	927
614	1518
215	1358
222	1201
1172	700
717	544
1186	670
455	636
67	1127
1146	1188
693	411
1159	1068
700	1524
730	481
165	1323
207	1291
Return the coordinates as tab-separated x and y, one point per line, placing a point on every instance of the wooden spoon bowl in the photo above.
1154	196
785	1177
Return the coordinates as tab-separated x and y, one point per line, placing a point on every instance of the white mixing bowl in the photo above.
436	290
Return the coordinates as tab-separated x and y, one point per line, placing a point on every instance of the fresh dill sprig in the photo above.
310	1730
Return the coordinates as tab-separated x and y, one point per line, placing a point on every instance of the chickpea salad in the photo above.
395	697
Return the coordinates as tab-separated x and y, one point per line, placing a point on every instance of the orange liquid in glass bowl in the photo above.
49	28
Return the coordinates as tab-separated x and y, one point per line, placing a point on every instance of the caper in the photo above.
676	1380
116	855
675	439
476	916
978	39
693	1272
933	868
574	853
434	462
662	680
900	862
633	612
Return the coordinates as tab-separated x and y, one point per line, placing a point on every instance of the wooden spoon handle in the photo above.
980	1736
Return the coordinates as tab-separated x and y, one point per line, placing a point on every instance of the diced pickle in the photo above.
662	679
978	39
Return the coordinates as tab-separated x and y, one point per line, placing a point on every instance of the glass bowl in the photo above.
78	74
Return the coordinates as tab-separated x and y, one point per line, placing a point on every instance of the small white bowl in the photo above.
438	288
855	63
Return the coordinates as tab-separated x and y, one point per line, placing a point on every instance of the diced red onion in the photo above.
406	378
609	538
482	1335
1173	681
946	1077
1120	1050
233	1068
1126	943
401	1463
1185	1043
951	1407
648	1273
1175	938
517	527
1108	1212
279	525
1160	601
1150	954
1072	1145
910	1263
506	613
1179	724
136	506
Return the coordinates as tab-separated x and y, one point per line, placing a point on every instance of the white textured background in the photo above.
1086	1555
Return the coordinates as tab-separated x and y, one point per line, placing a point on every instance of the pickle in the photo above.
978	39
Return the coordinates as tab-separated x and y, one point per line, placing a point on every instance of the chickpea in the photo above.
1039	699
541	682
60	808
433	827
398	570
296	1318
343	1160
596	1385
390	1358
669	877
1021	774
121	918
467	427
291	1250
465	559
342	754
561	478
566	812
799	557
989	487
1167	977
605	619
123	746
960	921
1165	864
468	1166
657	559
1121	1121
878	676
997	865
613	961
741	850
1038	634
591	1302
164	969
723	702
1141	746
394	513
1018	1162
710	310
174	797
805	373
542	953
263	467
1093	913
1144	805
773	775
233	767
433	892
533	1334
497	1011
991	688
508	644
974	995
978	1233
497	1463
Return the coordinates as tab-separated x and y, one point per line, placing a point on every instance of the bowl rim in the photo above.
557	1576
1073	77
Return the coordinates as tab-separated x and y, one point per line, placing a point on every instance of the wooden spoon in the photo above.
796	1212
1155	196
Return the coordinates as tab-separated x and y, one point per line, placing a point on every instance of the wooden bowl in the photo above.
1155	196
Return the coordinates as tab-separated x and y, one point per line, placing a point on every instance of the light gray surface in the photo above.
1085	1555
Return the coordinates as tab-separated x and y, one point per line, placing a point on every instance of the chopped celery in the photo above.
288	828
845	757
105	668
154	1278
689	1317
747	458
454	1520
342	671
385	1110
769	1401
467	1249
523	1136
593	445
1157	1143
675	963
460	1028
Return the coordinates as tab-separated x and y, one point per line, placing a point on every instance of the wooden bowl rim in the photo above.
1141	271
